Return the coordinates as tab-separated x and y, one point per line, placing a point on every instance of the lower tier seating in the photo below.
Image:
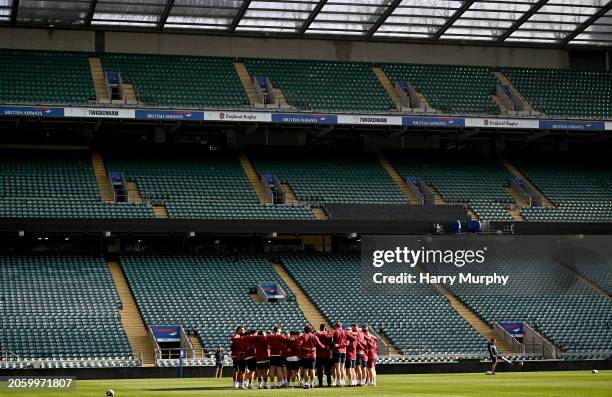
208	295
422	322
542	293
60	307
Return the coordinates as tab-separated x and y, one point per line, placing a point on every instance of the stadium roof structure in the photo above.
550	23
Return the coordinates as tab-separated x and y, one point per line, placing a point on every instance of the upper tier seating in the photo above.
580	191
325	85
333	179
541	293
183	81
45	77
565	93
450	88
62	307
209	188
477	182
56	186
422	321
208	295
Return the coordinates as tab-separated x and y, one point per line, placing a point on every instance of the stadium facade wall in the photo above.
417	368
235	46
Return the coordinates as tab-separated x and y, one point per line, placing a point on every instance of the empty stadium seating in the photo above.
450	88
183	81
45	77
325	85
60	307
565	93
207	295
208	188
580	191
333	179
421	322
479	183
56	186
542	293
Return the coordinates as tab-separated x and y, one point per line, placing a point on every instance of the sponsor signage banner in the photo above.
111	113
446	122
608	125
166	333
33	111
154	114
502	123
369	119
239	116
514	328
297	118
572	125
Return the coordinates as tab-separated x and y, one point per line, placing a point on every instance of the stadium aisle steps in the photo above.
130	318
134	193
399	181
502	106
99	82
290	198
471	214
254	179
104	185
388	86
516	214
514	171
586	280
247	83
281	99
312	314
160	211
129	94
476	322
503	79
197	344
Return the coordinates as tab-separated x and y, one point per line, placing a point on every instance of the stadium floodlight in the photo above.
191	234
107	233
21	233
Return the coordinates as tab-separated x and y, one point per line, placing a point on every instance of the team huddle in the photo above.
340	357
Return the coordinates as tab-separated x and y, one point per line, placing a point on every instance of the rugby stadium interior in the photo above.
168	163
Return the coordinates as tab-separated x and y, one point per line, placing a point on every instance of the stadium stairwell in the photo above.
398	180
97	75
521	103
160	211
281	100
472	318
254	180
129	94
319	213
388	86
104	184
247	83
514	171
134	193
312	314
197	345
586	280
130	318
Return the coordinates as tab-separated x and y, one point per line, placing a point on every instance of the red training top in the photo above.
339	340
326	339
307	345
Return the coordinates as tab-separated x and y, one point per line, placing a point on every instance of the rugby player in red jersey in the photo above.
351	354
340	342
262	357
293	360
307	345
323	362
249	358
276	341
372	343
236	359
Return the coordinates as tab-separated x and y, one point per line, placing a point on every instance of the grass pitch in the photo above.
539	384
